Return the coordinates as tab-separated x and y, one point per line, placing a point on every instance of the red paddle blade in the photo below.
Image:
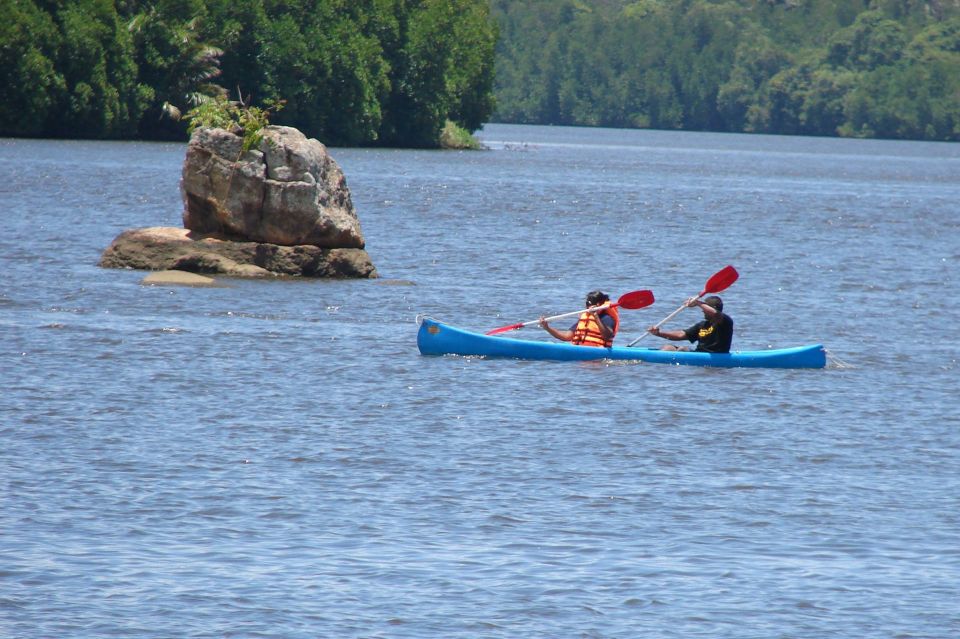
504	329
720	281
635	300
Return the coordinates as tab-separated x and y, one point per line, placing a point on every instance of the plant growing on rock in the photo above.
233	116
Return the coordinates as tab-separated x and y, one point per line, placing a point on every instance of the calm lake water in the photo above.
275	458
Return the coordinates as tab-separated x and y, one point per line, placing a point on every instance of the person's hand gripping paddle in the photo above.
631	301
720	281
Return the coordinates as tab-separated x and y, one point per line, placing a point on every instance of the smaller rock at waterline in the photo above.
180	278
166	248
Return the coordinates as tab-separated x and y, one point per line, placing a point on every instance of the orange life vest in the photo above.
588	333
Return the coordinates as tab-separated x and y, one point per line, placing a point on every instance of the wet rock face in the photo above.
281	209
289	191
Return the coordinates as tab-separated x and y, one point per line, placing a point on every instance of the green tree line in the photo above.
392	72
349	72
863	68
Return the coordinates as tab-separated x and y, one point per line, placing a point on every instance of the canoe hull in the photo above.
437	338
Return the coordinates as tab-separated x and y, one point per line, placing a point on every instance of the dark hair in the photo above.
596	298
715	302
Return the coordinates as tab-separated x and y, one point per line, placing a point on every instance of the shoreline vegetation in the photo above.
421	73
457	138
837	68
363	73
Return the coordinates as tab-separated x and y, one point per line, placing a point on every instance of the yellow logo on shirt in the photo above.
708	330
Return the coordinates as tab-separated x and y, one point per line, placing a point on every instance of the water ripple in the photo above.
275	459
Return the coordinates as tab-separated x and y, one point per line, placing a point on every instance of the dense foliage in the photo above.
393	72
349	71
868	68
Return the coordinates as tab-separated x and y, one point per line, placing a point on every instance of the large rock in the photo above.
289	192
283	209
166	248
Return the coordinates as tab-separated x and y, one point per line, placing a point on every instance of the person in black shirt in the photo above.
713	335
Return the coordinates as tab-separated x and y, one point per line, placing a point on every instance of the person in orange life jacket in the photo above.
713	334
593	328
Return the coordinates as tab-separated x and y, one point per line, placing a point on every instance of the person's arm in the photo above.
708	310
565	336
674	336
606	330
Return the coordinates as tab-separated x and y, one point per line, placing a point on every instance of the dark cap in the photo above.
714	301
596	298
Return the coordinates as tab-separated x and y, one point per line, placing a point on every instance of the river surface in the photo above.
276	459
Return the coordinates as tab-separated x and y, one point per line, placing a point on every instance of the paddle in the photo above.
632	301
719	281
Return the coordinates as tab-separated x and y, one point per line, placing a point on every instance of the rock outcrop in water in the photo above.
282	209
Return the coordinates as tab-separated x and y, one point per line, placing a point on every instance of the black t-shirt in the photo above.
712	339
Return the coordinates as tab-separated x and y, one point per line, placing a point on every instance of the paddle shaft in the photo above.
632	300
592	309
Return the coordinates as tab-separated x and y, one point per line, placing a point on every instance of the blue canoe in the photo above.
437	338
